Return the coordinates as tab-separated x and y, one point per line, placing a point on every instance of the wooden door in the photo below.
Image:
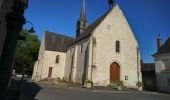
114	72
50	72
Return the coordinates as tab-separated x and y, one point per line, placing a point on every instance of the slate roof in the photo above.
56	42
147	67
164	49
89	29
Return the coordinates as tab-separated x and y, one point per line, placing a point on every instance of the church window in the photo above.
57	58
117	46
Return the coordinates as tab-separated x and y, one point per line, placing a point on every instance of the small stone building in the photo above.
162	65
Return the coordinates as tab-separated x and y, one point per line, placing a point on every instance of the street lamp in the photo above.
31	30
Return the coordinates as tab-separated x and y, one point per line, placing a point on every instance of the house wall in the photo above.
50	61
162	74
79	64
105	53
5	7
39	63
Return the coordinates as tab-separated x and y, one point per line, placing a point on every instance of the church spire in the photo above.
83	11
82	23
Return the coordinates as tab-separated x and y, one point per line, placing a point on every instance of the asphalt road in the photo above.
52	93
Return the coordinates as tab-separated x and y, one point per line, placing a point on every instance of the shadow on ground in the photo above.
25	91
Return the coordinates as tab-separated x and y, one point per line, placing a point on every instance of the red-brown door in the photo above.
50	72
114	72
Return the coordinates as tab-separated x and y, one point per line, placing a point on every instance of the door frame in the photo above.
119	70
50	72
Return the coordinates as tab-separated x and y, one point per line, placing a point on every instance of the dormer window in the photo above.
117	46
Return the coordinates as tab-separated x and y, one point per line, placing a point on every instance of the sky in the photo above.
147	18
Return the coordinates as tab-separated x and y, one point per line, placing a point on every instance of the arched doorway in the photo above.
114	72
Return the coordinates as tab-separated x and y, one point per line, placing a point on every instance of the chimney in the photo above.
159	42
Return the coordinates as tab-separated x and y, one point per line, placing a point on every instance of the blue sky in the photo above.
147	18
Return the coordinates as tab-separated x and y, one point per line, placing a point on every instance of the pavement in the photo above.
65	91
59	93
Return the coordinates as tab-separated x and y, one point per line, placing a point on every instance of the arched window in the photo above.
117	46
57	58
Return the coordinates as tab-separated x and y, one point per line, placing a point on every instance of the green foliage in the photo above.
89	81
119	83
139	84
27	52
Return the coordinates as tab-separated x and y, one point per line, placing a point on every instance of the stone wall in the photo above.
79	63
50	61
39	63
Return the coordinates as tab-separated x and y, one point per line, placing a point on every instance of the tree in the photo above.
27	52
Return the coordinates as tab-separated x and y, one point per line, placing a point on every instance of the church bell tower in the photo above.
82	23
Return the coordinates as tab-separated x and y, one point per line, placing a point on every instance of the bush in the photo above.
89	81
63	80
58	79
120	83
139	84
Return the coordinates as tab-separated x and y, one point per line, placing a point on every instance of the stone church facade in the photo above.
104	52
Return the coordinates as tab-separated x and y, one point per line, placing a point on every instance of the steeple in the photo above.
82	23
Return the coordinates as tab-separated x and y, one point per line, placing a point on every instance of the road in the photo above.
53	93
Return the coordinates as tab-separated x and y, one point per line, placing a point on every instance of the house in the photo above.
162	65
103	52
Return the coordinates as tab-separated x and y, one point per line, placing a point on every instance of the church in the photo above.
103	52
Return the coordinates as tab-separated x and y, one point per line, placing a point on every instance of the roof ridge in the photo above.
58	34
92	27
